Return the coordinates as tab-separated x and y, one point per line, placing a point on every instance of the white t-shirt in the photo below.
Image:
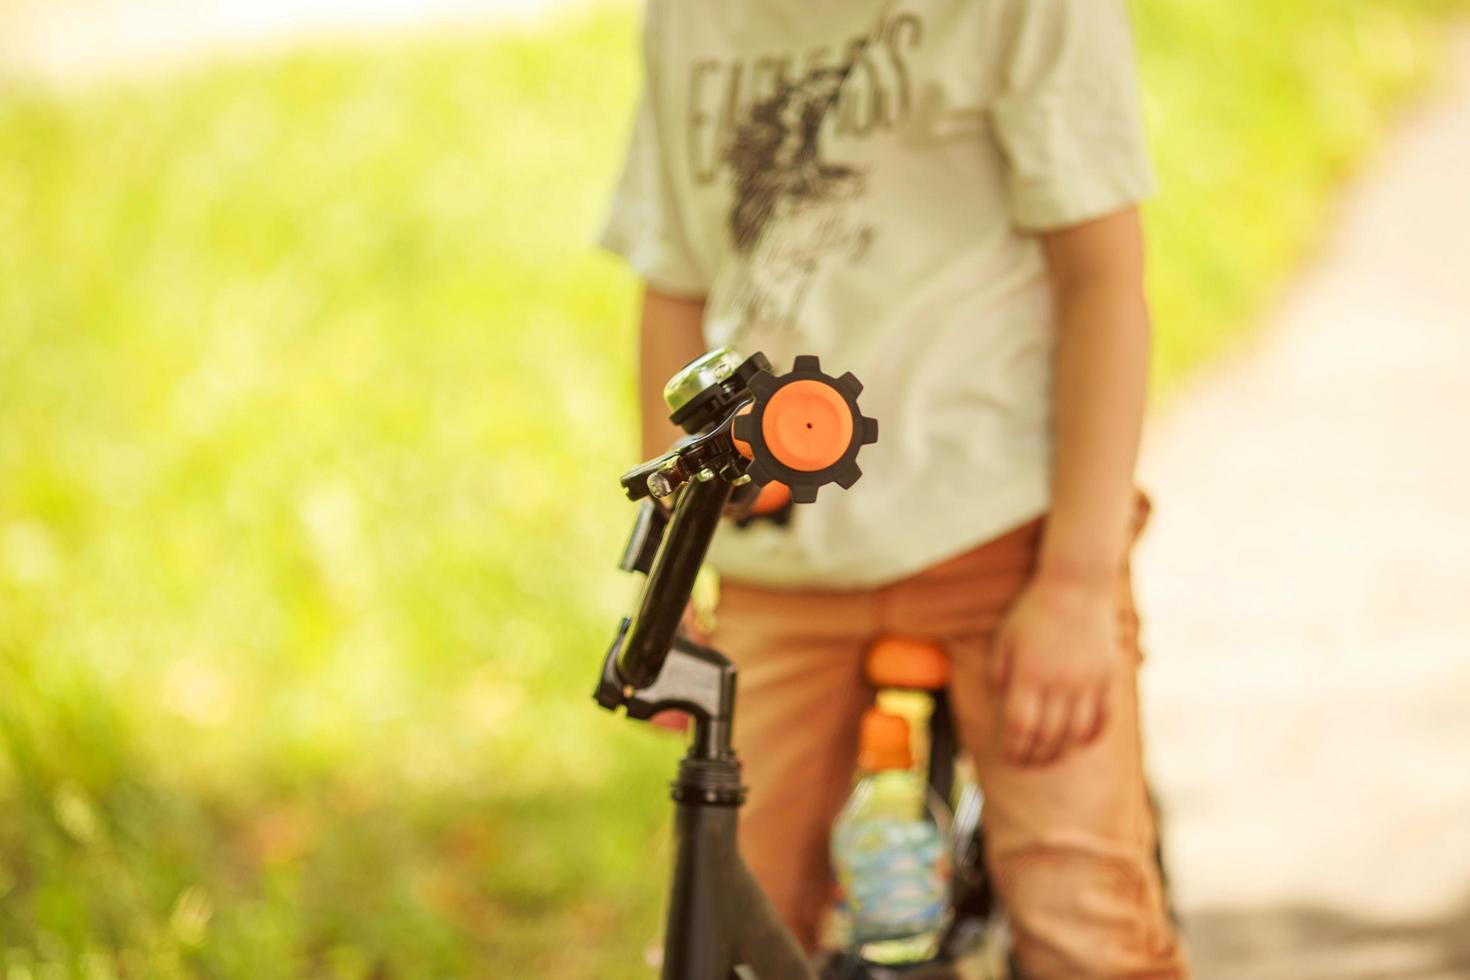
861	180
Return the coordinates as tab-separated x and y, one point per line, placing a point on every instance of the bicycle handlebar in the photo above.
802	429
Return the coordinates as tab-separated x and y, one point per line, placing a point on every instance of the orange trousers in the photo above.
1070	845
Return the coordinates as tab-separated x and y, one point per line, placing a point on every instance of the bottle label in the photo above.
893	878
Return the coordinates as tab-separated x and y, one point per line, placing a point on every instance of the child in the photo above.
939	196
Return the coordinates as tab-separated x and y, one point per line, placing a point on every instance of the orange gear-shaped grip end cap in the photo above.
807	425
906	663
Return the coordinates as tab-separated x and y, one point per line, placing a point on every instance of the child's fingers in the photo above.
1102	712
672	721
1021	713
1085	716
692	627
998	662
1051	729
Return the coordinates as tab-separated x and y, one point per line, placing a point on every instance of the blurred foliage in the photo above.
312	392
1257	110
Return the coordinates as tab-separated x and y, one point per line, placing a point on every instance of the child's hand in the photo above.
1051	666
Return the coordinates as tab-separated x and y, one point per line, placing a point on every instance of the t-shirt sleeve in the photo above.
646	224
1067	112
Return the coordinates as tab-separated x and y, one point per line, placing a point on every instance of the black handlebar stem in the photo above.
697	512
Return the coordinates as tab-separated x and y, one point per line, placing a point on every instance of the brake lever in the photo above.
712	450
648	534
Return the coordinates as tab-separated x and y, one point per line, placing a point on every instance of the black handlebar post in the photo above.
666	592
720	924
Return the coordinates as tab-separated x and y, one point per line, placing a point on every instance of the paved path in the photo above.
1307	580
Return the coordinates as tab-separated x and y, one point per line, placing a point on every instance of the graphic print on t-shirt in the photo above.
791	197
788	209
776	155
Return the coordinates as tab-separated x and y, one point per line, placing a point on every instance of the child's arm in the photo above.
670	335
1056	652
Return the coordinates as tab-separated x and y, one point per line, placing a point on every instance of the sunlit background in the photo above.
312	399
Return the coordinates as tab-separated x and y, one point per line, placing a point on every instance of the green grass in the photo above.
312	392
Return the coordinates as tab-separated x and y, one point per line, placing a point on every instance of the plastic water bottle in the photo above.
890	849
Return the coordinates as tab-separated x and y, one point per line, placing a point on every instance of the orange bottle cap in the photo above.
884	742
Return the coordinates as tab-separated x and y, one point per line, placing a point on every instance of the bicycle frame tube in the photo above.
718	916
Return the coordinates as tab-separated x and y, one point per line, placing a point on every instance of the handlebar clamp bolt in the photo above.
659	484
